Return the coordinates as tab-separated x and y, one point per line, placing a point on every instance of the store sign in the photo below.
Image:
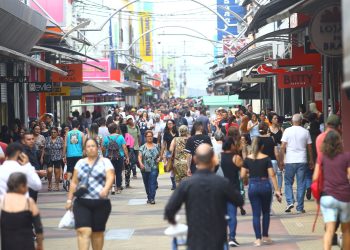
250	79
75	73
65	91
14	79
39	87
94	74
326	30
298	79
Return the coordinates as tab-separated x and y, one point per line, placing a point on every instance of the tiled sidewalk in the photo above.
133	225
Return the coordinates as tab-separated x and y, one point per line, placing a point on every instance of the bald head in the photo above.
204	154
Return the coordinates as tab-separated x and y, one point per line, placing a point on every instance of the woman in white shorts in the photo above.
335	200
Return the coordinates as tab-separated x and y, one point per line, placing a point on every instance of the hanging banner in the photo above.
298	79
146	46
75	73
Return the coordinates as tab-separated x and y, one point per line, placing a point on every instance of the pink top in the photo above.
130	141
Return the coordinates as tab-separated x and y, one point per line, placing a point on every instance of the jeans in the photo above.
278	173
232	222
292	169
118	168
135	162
308	178
150	182
259	193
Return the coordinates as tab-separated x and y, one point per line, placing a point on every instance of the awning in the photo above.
229	79
267	11
285	13
277	35
222	101
69	51
21	27
95	104
250	93
250	58
92	87
32	61
128	85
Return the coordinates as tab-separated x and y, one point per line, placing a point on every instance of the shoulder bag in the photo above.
84	184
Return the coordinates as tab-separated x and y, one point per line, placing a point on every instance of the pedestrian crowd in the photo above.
211	157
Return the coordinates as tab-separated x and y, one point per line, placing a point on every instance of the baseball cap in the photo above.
130	117
333	120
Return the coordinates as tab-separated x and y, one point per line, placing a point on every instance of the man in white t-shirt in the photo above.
17	161
296	144
157	129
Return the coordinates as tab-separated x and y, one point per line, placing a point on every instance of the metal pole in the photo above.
25	104
62	113
325	87
277	107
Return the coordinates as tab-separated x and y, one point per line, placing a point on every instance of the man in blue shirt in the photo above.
73	149
116	141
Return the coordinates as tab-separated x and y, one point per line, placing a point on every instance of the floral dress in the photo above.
180	159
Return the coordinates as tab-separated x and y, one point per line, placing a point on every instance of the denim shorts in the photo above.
332	208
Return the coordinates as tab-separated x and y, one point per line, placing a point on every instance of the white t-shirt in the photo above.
9	167
158	128
297	139
103	132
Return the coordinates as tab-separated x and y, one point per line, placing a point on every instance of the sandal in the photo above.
57	187
49	188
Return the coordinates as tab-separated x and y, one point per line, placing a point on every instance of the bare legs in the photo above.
49	178
87	237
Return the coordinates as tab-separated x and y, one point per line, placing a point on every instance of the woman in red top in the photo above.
335	200
231	123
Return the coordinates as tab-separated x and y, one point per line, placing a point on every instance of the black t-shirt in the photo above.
222	125
269	147
258	167
277	136
168	138
194	141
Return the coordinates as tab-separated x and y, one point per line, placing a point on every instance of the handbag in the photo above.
84	185
316	190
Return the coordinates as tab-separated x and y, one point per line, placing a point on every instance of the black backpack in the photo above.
113	149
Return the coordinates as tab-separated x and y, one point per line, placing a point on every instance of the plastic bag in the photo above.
161	167
67	221
65	172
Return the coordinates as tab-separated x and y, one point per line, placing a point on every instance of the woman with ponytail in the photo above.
260	170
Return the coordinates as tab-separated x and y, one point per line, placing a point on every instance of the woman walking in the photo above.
253	125
149	157
18	216
231	164
52	156
335	201
93	134
129	140
170	132
143	125
259	167
270	149
177	148
91	207
115	149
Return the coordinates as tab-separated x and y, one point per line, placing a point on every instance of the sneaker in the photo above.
152	202
148	201
113	190
308	194
127	186
340	240
289	208
134	177
301	211
233	243
173	188
243	212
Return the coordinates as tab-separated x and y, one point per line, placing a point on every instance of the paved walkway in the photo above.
134	225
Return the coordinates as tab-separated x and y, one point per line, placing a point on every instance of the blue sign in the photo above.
228	27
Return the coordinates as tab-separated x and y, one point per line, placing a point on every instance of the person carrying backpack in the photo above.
114	148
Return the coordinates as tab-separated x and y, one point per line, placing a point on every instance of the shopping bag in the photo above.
65	172
161	167
67	221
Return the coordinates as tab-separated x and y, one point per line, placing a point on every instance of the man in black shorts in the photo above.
73	148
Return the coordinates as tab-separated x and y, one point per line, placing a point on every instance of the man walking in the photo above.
296	142
73	148
192	144
206	196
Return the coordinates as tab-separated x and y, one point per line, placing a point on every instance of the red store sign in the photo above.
298	79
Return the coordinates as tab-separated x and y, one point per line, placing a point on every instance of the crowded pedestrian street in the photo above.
134	225
174	124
